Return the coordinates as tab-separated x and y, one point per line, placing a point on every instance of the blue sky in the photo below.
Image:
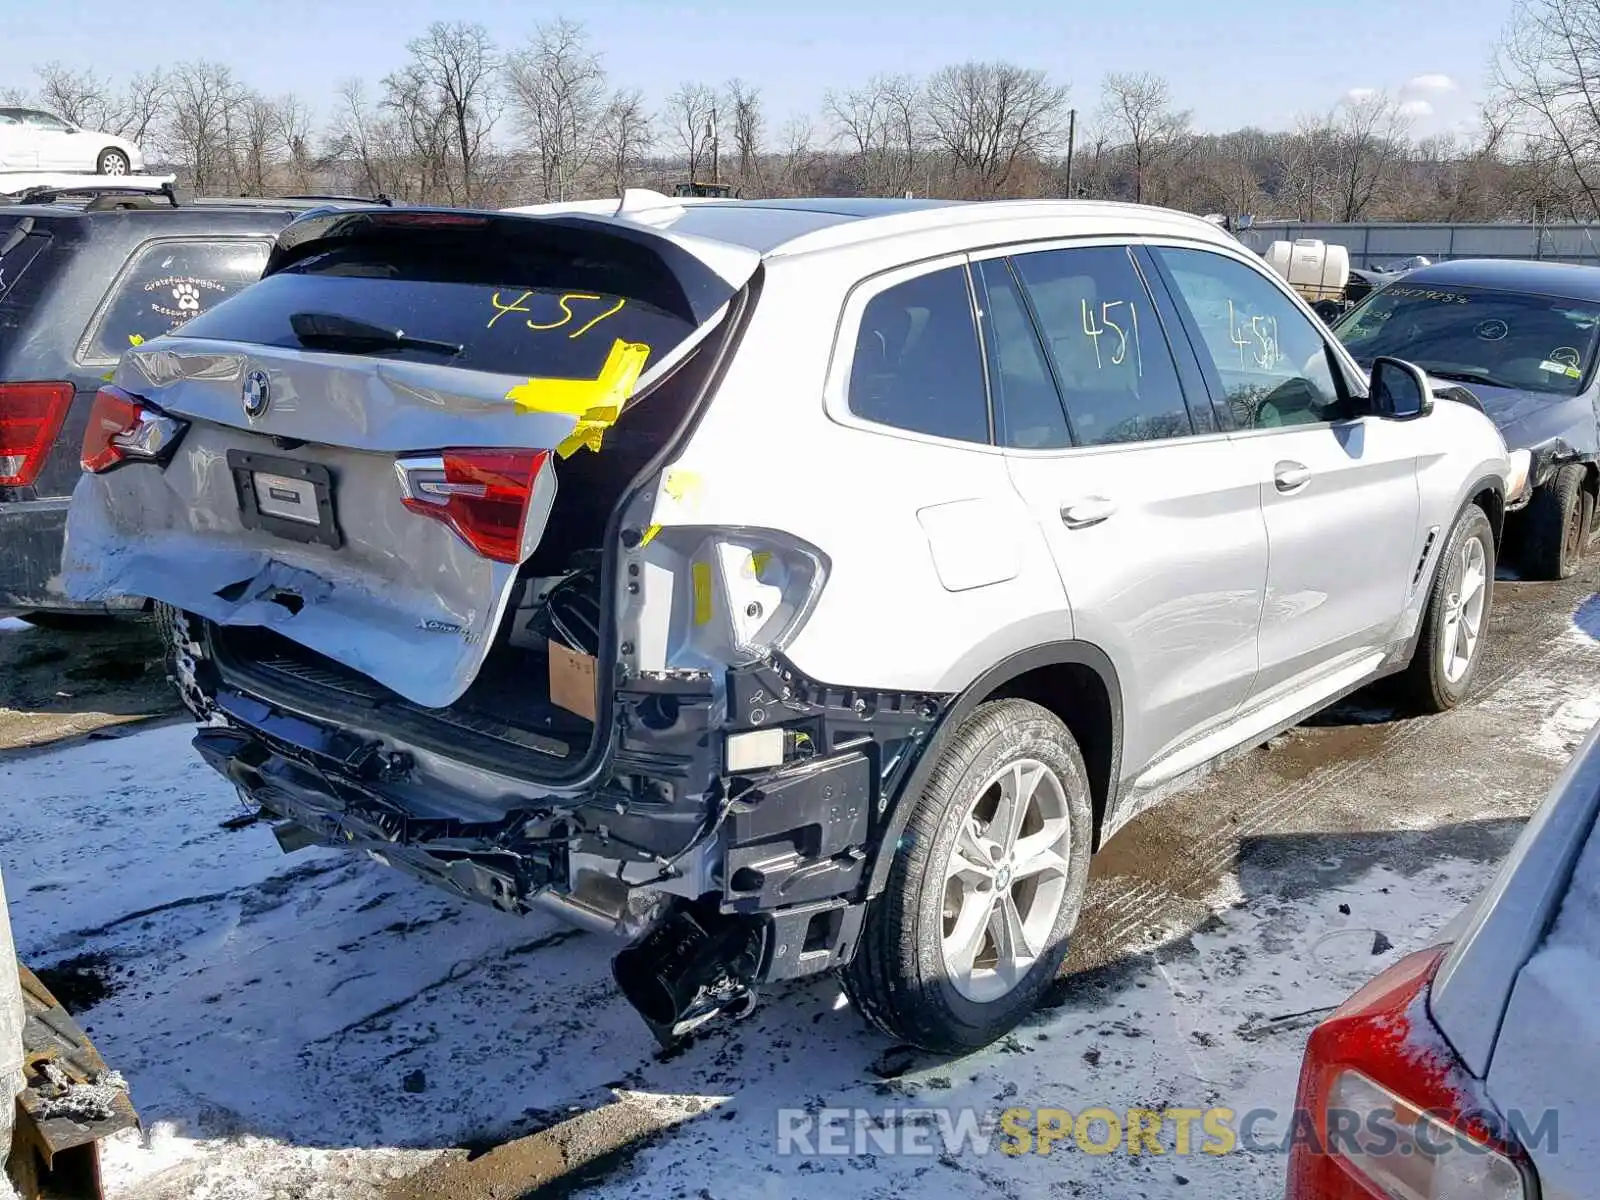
1232	61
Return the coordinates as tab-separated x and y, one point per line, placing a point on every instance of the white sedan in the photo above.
33	140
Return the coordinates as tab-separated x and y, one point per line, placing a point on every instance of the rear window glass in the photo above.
15	254
166	285
512	313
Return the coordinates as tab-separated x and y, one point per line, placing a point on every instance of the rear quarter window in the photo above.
16	253
167	284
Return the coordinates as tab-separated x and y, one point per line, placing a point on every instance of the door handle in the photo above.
1290	476
1089	510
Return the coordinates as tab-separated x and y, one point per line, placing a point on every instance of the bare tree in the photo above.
423	125
749	127
559	88
689	115
881	126
625	137
257	140
1547	76
1368	140
202	122
293	121
446	93
798	156
139	109
77	95
1137	110
1308	166
989	116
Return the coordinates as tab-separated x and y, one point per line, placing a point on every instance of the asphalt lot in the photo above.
324	1026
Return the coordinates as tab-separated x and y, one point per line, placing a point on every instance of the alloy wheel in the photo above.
1005	880
1465	607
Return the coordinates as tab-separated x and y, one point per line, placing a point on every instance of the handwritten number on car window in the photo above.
1097	323
1259	334
564	302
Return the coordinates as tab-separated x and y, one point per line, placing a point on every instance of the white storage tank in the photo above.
1313	268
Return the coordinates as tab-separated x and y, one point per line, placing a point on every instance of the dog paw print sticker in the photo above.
187	297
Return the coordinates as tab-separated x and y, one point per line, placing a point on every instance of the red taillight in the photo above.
484	495
30	418
1391	1113
123	427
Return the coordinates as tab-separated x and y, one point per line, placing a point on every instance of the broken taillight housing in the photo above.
30	420
127	428
1393	1113
496	501
743	593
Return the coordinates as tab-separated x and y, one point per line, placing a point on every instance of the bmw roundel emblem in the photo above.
257	393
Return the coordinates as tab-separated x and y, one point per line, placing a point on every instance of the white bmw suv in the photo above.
788	586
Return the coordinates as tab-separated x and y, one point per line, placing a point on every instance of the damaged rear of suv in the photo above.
741	578
401	509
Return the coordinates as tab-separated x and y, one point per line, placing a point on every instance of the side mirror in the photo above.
1400	390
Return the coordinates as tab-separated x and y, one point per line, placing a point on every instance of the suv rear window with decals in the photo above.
165	286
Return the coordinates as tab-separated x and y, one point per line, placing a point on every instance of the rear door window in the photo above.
917	365
166	285
1107	345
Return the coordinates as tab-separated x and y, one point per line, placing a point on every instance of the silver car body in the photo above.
1226	605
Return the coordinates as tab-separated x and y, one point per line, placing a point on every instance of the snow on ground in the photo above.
316	1025
12	625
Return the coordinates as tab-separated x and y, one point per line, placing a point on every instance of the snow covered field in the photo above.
319	1026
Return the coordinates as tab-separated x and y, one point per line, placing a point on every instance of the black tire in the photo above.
898	978
69	622
109	160
1555	527
1426	685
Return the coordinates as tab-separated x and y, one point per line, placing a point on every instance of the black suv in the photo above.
85	273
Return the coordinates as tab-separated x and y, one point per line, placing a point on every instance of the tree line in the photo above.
468	121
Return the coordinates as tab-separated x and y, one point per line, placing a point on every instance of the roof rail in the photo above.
33	187
381	198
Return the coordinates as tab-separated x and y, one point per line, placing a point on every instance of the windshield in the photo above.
1502	339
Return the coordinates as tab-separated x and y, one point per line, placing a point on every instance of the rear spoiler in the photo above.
693	277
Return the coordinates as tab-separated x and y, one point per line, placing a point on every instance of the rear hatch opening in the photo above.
384	475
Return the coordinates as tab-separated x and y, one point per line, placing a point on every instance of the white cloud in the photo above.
1358	95
1430	83
1416	108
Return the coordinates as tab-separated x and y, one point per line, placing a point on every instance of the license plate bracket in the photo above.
287	510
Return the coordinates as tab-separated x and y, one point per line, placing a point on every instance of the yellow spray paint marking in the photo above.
759	560
702	593
649	536
596	403
519	305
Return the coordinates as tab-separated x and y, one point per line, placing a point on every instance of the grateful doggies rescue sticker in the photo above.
180	298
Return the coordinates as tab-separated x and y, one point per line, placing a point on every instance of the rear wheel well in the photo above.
1077	695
